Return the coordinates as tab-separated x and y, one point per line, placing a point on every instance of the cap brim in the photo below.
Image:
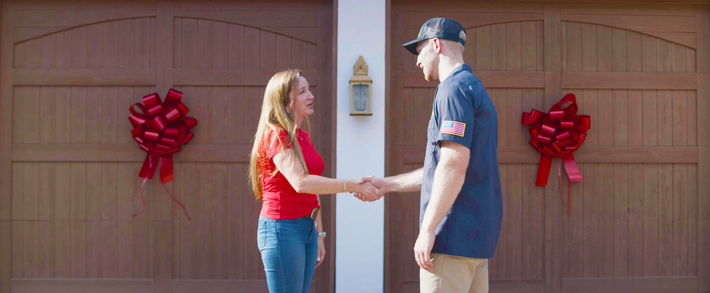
412	45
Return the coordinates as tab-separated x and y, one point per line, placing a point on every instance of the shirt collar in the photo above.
462	67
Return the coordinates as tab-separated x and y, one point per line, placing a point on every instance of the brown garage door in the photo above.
69	165
640	221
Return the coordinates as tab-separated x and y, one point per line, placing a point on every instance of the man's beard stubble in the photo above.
429	70
429	76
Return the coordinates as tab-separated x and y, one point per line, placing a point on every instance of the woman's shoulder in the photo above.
275	139
271	130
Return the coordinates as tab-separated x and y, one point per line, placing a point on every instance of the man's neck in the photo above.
447	65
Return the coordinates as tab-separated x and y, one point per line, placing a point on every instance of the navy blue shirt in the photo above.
464	113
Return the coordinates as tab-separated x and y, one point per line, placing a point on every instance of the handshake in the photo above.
370	188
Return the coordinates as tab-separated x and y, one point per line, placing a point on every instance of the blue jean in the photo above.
289	249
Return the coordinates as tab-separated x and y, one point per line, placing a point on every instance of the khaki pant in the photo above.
455	274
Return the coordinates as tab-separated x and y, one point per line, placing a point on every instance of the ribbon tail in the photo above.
571	168
177	202
569	197
146	173
559	185
166	169
543	170
149	166
142	199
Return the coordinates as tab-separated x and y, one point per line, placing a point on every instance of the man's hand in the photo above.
367	192
422	250
379	183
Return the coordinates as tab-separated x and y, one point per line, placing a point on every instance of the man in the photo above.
461	203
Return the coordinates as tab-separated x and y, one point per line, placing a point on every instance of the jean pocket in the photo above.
261	235
313	235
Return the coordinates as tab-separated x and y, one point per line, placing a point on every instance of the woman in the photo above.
286	177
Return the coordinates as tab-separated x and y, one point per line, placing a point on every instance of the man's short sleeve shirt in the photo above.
464	113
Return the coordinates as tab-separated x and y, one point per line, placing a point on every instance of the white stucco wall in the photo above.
359	264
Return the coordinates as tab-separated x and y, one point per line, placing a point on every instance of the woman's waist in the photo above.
289	202
287	196
279	211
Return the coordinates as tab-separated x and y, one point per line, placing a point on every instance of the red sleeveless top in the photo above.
280	200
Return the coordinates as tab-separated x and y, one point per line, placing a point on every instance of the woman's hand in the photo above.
378	183
321	251
367	191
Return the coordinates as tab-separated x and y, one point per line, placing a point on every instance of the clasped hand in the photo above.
370	189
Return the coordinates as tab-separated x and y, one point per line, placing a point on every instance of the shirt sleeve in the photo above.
274	145
455	115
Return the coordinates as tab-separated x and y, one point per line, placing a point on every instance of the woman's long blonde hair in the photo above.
273	118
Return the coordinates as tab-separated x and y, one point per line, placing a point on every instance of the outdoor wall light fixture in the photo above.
360	90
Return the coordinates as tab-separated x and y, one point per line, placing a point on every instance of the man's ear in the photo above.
437	45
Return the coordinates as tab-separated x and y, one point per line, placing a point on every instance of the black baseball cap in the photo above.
440	28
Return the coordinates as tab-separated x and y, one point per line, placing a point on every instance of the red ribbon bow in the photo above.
556	135
160	131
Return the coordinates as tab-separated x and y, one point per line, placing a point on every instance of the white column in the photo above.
359	263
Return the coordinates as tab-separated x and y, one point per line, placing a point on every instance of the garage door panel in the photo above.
511	46
32	24
73	77
211	44
629	217
67	111
595	47
638	117
123	43
628	9
533	225
86	245
219	104
415	19
257	18
520	243
615	214
476	7
405	209
203	243
510	104
650	23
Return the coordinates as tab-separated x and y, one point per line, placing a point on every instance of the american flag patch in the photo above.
453	127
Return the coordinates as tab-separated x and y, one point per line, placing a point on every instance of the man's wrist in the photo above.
428	228
390	185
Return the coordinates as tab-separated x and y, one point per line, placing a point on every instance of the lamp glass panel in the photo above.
361	97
